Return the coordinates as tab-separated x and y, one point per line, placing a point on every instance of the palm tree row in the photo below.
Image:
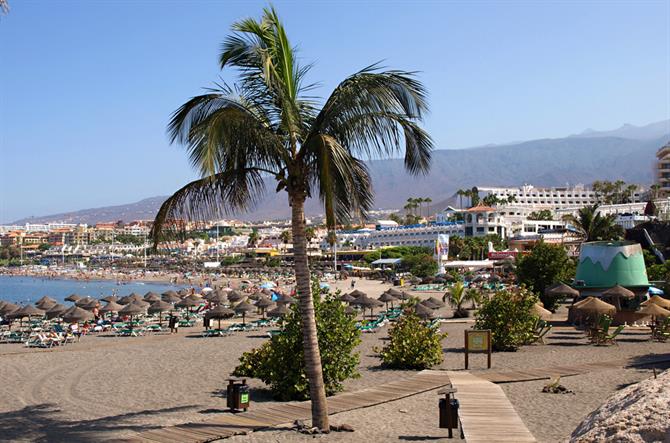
416	203
267	128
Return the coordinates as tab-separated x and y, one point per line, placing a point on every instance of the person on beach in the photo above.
74	329
353	283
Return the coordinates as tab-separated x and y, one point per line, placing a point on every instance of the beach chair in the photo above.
540	330
154	328
273	332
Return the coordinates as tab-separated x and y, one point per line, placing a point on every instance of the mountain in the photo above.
646	132
547	162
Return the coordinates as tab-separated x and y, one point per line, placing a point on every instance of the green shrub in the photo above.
280	361
413	344
509	317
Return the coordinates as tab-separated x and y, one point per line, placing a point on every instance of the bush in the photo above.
413	344
420	265
280	361
508	315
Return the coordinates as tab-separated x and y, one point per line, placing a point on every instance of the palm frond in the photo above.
376	114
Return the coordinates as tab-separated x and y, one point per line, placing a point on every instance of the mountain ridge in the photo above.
542	162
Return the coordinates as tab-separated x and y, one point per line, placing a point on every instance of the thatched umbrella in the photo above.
131	310
263	303
596	306
349	310
386	298
437	302
124	300
46	304
110	307
423	311
77	315
404	295
356	293
243	308
151	297
256	296
395	292
134	297
169	293
91	305
280	311
170	298
429	304
72	297
187	303
658	300
539	311
183	292
27	311
160	307
110	298
654	311
56	310
218	298
235	296
347	298
367	302
616	293
286	299
45	299
561	289
581	302
83	301
220	312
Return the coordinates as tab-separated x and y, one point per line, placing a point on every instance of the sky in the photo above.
87	87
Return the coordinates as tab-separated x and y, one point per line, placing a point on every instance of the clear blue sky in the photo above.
86	87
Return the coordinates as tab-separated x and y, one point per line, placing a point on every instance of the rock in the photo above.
403	411
342	428
638	413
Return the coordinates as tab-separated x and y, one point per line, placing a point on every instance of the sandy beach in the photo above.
106	387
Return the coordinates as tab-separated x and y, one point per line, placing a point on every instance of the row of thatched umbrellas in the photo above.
424	309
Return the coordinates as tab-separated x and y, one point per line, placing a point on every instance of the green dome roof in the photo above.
605	264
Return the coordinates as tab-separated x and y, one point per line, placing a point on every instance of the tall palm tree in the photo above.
266	127
4	6
595	226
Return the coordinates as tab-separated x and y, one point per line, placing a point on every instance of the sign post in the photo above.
478	342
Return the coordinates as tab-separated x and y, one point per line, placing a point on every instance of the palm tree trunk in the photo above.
310	343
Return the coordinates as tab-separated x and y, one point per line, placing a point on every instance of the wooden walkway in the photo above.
485	413
531	374
265	416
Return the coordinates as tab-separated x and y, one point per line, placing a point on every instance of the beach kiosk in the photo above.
604	265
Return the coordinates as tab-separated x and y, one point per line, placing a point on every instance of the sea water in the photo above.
30	289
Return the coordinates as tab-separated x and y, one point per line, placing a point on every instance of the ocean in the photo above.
30	289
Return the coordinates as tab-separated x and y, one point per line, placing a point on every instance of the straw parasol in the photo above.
423	311
596	306
45	299
404	295
112	306
616	293
437	302
286	299
429	304
581	302
658	300
76	315
243	308
46	304
367	302
169	293
187	303
83	301
8	308
356	293
27	311
160	307
132	309
539	310
395	292
151	297
280	311
183	292
349	310
561	289
235	296
134	297
72	297
654	310
92	304
56	310
217	297
386	298
220	312
170	298
263	303
110	298
256	296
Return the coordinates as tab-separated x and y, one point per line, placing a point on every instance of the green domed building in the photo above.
603	264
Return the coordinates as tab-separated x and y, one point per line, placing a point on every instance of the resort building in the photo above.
663	169
482	220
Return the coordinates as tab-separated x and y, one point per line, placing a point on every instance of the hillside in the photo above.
548	162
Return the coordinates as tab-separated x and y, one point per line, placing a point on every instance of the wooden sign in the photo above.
478	342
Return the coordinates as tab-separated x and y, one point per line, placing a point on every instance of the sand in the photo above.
107	387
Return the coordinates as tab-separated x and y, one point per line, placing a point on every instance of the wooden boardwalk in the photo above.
485	413
265	416
531	374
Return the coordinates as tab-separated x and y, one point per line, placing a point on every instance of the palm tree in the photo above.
266	127
457	296
461	193
427	201
253	237
594	226
4	6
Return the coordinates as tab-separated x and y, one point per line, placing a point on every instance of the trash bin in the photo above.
448	410
237	395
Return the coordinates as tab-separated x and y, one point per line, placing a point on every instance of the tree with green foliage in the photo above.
253	238
412	344
44	247
268	126
545	265
613	193
420	265
278	362
595	226
458	295
544	214
509	317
